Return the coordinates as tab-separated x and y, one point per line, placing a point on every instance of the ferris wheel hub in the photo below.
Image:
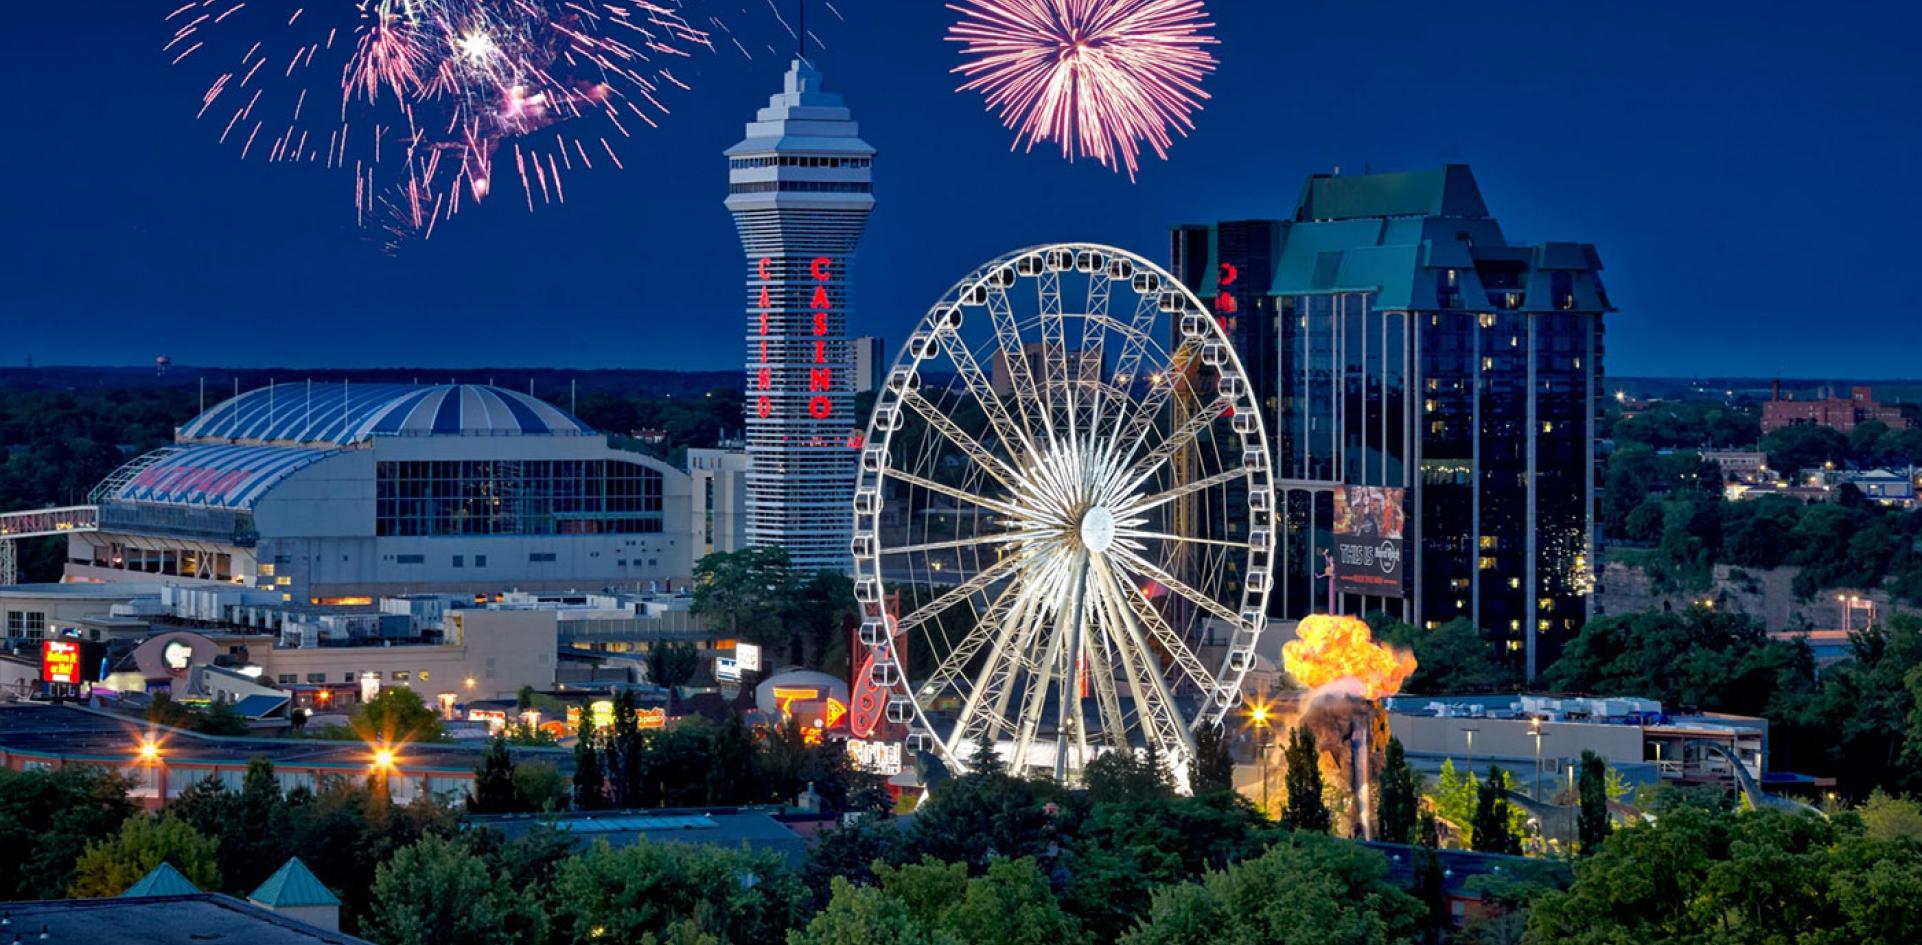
1097	529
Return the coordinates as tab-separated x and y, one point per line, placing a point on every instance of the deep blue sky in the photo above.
1748	171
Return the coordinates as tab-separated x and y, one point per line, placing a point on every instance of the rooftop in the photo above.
72	733
350	414
293	885
197	919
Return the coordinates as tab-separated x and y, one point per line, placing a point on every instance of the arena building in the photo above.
342	494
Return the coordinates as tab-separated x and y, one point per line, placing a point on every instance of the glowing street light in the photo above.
149	750
1259	717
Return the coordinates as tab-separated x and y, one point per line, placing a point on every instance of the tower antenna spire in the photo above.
801	30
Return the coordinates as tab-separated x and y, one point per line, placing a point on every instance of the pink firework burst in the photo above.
418	99
1101	77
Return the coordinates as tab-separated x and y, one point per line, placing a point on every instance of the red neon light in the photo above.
1229	274
820	408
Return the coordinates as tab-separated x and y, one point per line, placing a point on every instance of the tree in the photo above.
1452	658
1491	832
1306	810
672	664
47	818
746	591
1593	825
436	892
1213	766
1887	817
112	864
590	790
668	892
977	818
1126	776
493	791
1428	880
1307	889
1124	851
1804	446
1007	904
864	915
1396	798
1701	875
984	760
394	717
540	786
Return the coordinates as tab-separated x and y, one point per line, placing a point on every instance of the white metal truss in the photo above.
1023	490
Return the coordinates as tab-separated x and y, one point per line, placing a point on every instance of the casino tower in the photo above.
800	189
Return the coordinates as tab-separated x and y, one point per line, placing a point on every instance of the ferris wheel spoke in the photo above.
1014	436
961	592
1070	719
1141	566
951	492
1155	705
1178	652
1151	502
1014	355
1101	674
997	538
988	627
945	425
1182	435
1184	539
1138	336
1054	350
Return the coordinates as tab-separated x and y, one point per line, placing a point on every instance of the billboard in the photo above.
72	661
1368	540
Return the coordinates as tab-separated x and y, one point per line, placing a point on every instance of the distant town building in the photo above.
1743	465
800	187
1431	389
870	363
1836	413
1084	364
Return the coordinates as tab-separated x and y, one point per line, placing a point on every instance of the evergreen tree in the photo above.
1213	766
1427	881
590	789
1490	830
493	791
1593	825
1306	810
1395	798
985	760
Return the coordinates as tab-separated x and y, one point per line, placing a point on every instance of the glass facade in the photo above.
1411	347
537	497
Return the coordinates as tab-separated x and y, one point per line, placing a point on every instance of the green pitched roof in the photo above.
1446	191
163	880
293	885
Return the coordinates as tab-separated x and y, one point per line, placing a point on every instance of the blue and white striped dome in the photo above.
344	414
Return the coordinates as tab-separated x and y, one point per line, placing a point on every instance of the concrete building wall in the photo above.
500	650
1508	741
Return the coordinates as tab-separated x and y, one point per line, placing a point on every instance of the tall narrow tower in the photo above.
800	189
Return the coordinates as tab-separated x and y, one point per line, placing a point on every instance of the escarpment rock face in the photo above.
1767	595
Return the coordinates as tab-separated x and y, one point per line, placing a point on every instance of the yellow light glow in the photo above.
383	758
149	750
1259	715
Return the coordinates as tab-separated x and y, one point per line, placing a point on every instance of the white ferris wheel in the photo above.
1064	522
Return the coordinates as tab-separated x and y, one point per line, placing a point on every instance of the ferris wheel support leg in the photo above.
1183	744
1070	686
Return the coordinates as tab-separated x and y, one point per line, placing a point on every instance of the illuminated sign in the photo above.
876	757
727	669
787	696
177	654
833	714
650	718
748	657
60	661
820	404
1368	540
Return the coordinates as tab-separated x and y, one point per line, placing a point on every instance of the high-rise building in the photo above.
870	362
800	189
1432	391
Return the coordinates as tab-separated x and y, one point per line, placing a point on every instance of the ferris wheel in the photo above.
1066	489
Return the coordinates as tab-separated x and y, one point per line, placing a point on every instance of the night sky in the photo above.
1747	171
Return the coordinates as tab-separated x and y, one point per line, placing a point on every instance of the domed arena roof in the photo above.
344	414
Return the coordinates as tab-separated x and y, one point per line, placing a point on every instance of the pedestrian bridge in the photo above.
40	523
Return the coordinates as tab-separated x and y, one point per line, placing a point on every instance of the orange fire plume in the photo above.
1327	649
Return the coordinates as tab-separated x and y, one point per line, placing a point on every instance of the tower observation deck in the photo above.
800	190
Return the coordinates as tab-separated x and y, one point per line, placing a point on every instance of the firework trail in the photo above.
1100	77
427	102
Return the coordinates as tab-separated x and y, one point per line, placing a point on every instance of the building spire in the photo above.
801	30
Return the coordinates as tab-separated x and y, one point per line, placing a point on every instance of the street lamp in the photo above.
149	750
1535	730
1259	716
1470	731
